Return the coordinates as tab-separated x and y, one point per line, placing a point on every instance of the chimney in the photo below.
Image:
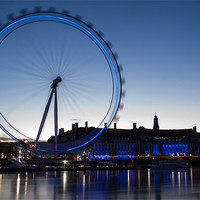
194	129
76	126
73	127
61	131
135	129
115	127
86	127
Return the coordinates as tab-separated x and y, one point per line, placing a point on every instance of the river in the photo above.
102	184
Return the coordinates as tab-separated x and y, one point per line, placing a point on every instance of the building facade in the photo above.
127	143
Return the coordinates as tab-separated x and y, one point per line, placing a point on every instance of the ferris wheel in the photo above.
56	70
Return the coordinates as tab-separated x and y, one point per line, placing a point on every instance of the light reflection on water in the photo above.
102	184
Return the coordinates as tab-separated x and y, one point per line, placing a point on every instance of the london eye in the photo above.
56	70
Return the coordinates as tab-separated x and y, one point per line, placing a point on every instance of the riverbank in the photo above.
138	162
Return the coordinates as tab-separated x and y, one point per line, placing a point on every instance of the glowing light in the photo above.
64	161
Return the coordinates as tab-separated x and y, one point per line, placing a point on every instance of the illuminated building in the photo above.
116	143
127	143
119	143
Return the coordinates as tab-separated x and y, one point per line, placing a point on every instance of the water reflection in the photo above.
0	181
105	184
18	187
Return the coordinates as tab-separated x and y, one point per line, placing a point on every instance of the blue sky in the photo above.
158	46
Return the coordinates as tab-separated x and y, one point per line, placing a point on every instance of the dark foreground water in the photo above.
105	184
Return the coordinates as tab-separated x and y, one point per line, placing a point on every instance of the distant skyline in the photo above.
158	46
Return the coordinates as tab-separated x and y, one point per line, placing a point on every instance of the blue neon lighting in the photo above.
48	16
170	148
107	156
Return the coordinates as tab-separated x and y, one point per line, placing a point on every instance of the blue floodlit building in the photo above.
116	143
127	143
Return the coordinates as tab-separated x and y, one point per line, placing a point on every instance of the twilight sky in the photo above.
158	43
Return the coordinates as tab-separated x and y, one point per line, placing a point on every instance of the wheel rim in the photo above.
18	23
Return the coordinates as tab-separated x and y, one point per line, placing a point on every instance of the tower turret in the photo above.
155	125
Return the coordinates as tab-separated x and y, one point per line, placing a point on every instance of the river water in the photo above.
102	184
